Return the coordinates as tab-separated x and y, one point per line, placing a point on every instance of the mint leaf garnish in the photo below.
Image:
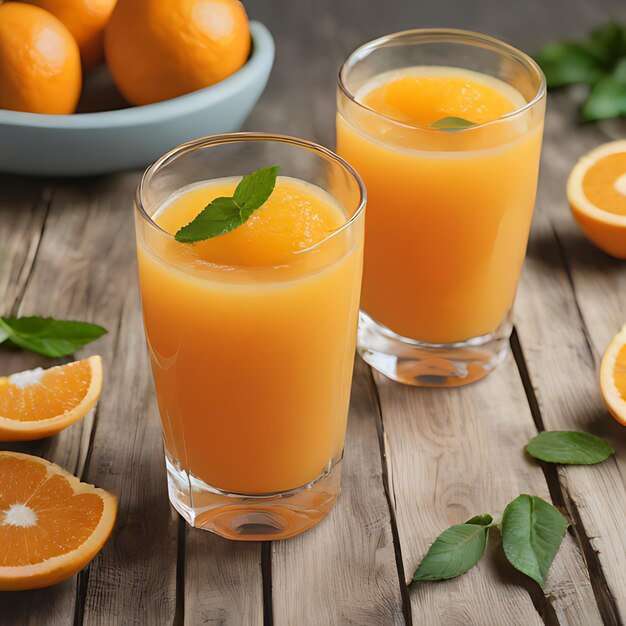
532	530
454	552
569	448
481	520
452	124
48	336
225	214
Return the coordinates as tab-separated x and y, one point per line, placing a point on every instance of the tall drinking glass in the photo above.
450	202
252	345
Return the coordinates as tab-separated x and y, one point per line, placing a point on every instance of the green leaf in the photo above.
482	520
225	214
254	190
565	63
607	98
49	336
608	43
569	448
220	216
532	530
453	553
452	124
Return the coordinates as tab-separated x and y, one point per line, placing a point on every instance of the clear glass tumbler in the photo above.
252	363
449	209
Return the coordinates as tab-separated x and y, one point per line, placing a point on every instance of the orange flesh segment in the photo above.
60	389
423	100
290	221
64	520
619	373
599	183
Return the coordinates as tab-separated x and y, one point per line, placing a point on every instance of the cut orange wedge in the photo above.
39	403
51	524
596	190
613	376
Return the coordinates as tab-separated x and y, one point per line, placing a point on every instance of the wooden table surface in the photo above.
416	460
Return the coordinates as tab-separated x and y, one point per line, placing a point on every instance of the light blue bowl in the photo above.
109	141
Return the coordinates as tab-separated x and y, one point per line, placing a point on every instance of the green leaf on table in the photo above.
532	530
608	43
48	336
482	520
566	63
453	553
607	98
569	448
225	214
599	61
452	124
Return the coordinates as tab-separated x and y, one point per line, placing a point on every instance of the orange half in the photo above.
39	403
613	376
51	524
596	190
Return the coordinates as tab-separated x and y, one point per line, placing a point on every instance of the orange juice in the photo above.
251	337
448	212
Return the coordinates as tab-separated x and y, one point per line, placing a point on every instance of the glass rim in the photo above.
443	35
240	137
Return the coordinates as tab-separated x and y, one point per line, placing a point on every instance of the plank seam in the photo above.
570	279
390	497
179	612
560	496
46	200
82	582
266	577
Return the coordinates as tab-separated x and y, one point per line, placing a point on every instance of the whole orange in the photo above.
39	61
86	20
159	49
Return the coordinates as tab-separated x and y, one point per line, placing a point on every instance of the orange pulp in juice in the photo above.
251	337
448	212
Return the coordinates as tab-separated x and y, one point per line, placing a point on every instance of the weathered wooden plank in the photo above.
454	453
223	581
343	571
23	209
85	269
571	301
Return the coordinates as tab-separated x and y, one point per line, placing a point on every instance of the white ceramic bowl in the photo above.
108	141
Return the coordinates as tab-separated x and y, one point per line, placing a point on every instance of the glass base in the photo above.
423	364
252	517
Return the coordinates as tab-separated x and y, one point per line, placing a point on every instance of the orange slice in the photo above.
51	524
596	190
613	376
39	403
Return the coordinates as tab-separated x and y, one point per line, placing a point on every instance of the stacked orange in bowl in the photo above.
185	69
154	51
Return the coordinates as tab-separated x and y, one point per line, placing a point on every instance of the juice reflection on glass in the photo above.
251	337
449	206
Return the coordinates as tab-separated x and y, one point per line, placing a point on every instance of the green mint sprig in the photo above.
452	124
531	528
598	62
569	448
227	213
48	336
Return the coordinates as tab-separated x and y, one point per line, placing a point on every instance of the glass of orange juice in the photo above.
251	334
445	128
